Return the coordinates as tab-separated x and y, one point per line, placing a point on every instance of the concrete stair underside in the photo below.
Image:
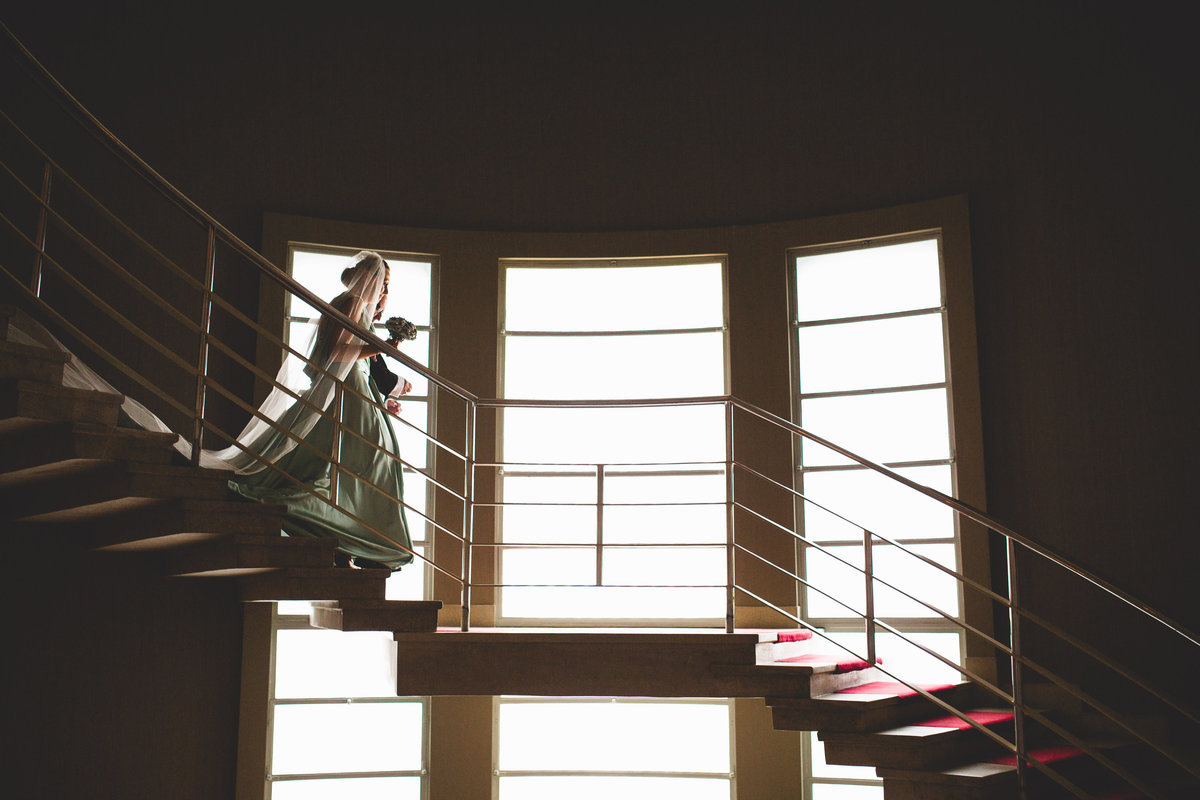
619	662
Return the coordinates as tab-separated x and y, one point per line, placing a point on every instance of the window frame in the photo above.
502	333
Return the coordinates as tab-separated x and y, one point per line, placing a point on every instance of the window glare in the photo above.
868	280
612	298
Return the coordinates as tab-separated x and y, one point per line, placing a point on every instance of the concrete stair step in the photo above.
244	554
37	399
26	443
314	583
619	662
161	524
410	616
996	778
84	488
775	644
30	362
937	742
868	706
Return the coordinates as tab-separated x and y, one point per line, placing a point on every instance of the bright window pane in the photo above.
822	769
618	736
348	789
893	426
347	737
321	663
593	603
906	351
868	280
320	273
615	435
868	499
679	566
614	367
664	524
557	787
898	568
408	583
414	446
409	291
553	565
613	298
549	524
906	659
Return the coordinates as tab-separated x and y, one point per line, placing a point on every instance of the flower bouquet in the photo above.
400	328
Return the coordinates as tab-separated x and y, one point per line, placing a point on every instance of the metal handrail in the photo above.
473	404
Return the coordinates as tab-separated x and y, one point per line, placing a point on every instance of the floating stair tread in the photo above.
821	662
58	390
879	693
986	770
31	350
371	614
313	583
241	553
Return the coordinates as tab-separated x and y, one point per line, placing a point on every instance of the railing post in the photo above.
1014	621
210	259
730	576
599	525
468	515
35	282
335	468
869	574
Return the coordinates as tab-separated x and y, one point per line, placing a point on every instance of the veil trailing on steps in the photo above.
304	388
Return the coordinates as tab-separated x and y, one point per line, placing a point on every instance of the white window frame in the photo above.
503	333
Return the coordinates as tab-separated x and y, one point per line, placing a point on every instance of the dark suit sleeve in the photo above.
385	379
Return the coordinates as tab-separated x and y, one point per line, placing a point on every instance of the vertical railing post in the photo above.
35	282
468	514
599	524
335	468
210	259
730	576
869	575
1014	621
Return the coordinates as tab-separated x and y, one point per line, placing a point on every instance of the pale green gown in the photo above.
363	466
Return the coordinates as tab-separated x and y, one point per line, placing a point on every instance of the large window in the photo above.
337	728
594	748
870	374
621	507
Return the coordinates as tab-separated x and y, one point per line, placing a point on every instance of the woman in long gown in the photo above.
383	541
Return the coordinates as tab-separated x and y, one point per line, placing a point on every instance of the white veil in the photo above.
330	353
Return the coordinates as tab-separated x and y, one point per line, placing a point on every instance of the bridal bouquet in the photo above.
400	328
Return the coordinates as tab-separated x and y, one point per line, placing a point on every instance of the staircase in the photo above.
67	469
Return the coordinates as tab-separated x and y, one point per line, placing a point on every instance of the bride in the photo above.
283	454
372	529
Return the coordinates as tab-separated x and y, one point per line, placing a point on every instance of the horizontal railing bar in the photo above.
95	202
925	462
798	579
599	586
916	312
607	504
916	387
899	542
91	344
623	403
977	516
608	545
619	472
608	333
304	776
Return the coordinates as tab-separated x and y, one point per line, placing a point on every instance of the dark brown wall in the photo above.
1070	126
